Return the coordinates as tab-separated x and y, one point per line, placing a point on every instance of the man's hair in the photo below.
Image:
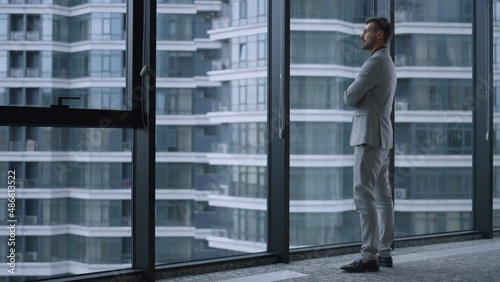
382	24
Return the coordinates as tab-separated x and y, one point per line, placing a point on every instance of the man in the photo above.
371	95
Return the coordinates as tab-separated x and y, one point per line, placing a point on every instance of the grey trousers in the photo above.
373	200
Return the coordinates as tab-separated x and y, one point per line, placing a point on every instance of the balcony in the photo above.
17	36
403	16
29	2
220	64
220	106
219	148
31	220
31	145
220	23
15	146
16	72
32	183
32	72
402	60
33	36
401	106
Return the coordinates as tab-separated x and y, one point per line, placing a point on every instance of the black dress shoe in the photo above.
385	261
360	266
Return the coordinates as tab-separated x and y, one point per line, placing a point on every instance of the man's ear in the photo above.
381	34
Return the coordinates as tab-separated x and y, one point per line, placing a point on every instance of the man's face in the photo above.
369	36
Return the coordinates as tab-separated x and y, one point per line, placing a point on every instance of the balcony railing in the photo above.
220	64
16	72
220	106
16	146
220	233
33	72
220	23
219	148
33	36
29	2
17	36
403	16
31	183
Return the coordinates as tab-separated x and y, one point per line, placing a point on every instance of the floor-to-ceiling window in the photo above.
325	53
211	170
433	116
73	185
66	198
496	114
72	198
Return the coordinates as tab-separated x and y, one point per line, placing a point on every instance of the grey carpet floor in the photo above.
477	260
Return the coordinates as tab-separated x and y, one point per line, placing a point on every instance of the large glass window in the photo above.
72	199
211	132
496	117
433	143
69	54
325	54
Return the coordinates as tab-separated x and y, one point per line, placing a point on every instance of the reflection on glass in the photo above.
496	117
80	55
73	200
433	173
325	55
211	174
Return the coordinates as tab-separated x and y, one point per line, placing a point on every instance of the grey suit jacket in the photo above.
371	95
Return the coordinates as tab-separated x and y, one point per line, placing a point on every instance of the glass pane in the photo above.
55	51
325	53
211	174
496	116
433	132
67	200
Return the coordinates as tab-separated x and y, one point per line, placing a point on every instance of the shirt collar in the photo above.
378	49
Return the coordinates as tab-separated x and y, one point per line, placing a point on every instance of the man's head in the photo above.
377	33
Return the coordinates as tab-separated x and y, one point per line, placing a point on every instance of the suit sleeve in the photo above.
366	79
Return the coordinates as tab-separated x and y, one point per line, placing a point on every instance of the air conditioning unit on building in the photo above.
31	256
31	220
401	106
400	193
